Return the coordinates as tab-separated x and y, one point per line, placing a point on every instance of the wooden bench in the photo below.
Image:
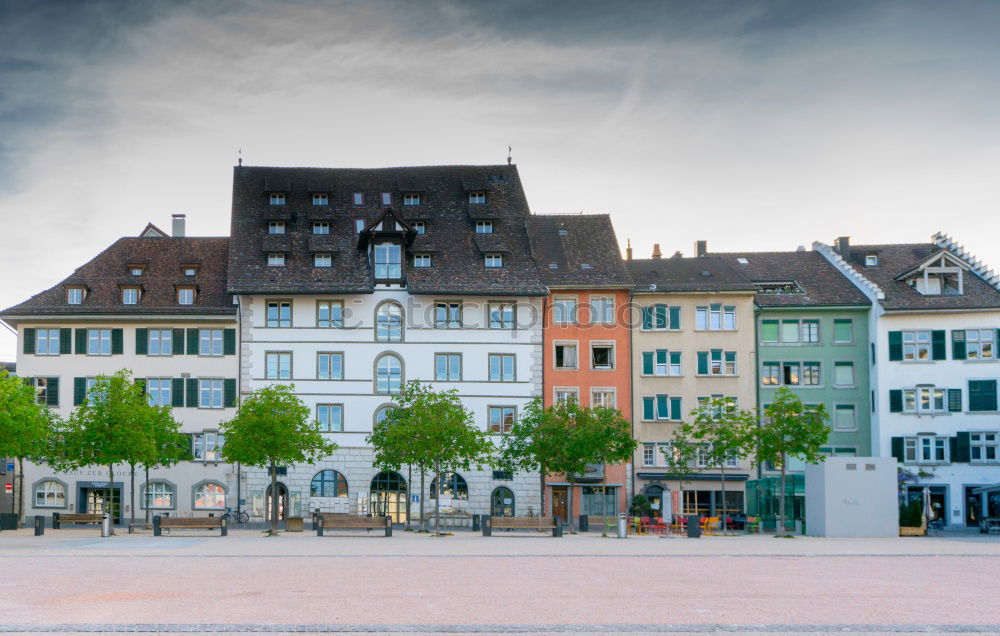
338	521
186	523
522	523
59	518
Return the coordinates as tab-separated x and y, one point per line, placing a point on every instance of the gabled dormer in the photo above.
942	274
385	240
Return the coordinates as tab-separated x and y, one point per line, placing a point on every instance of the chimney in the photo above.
656	250
844	247
700	248
178	226
628	251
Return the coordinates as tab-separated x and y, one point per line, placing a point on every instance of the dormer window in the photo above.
130	295
321	227
411	199
477	197
358	198
323	260
135	270
276	227
419	227
185	295
189	270
74	296
388	261
941	276
494	260
386	198
359	226
321	199
484	227
421	260
871	260
276	259
277	198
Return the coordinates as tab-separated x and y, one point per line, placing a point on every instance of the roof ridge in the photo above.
945	241
848	270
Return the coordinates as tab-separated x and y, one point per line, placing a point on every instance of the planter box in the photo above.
294	524
911	532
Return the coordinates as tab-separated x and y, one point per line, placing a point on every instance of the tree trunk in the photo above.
111	497
274	501
131	494
423	521
20	492
722	474
569	504
144	494
409	480
781	497
541	490
437	500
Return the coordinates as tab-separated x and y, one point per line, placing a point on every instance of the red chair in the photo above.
660	527
646	525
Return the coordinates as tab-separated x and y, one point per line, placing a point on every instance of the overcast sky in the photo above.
754	125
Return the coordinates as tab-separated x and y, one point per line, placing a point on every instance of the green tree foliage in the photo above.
25	426
273	428
681	455
169	445
789	429
722	432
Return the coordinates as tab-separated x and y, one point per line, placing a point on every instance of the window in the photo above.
477	197
715	318
494	260
158	495
602	397
843	331
321	227
661	362
190	271
330	417
98	342
501	315
790	331
329	313
358	198
328	483
359	226
207	446
278	365
275	259
447	367
47	342
564	311
210	394
565	355
389	323
381	413
810	374
279	313
50	494
321	199
323	259
421	260
185	295
448	315
158	391
277	198
501	367
916	345
276	227
501	418
598	500
602	310
843	373
926	449
160	342
452	485
210	342
657	317
386	198
871	260
419	227
564	395
649	454
210	497
980	344
770	374
769	331
843	418
602	356
983	446
388	261
790	373
810	331
329	366
484	227
41	386
74	296
411	199
661	407
130	295
388	374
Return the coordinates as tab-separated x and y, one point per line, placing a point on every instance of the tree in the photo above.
272	427
25	427
169	444
681	455
723	432
790	430
391	442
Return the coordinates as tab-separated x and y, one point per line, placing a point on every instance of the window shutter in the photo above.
647	363
895	345
958	344
647	318
80	346
895	400
675	357
117	342
177	342
962	452
661	356
229	392
192	342
52	391
675	317
177	392
648	412
662	407
65	340
939	350
29	340
955	400
660	316
897	449
229	342
675	408
141	342
141	383
702	363
192	392
952	449
982	395
79	390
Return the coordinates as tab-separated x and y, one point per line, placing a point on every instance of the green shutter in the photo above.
897	449
895	345
675	358
895	401
662	407
962	452
229	393
952	448
192	342
769	331
648	406
52	391
938	349
955	400
177	342
702	363
647	318
80	338
79	390
192	392
958	344
982	395
141	342
229	342
65	340
675	317
177	392
29	340
675	408
659	316
661	356
117	342
647	363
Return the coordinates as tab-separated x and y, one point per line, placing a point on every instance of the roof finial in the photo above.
239	160
509	149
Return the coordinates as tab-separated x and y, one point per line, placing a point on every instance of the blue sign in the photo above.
10	466
415	498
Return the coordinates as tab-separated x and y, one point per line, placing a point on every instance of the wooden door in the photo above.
559	499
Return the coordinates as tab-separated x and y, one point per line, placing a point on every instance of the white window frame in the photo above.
278	365
603	396
978	440
422	260
321	227
326	422
156	338
277	228
606	315
411	199
484	227
321	199
185	295
277	198
837	408
204	498
45	489
47	342
982	337
275	259
159	391
210	342
420	227
919	342
323	260
562	394
559	315
386	198
358	198
493	260
502	412
74	295
330	357
98	342
477	197
210	388
603	344
575	345
130	295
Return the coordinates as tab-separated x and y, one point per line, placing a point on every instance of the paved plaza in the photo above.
73	580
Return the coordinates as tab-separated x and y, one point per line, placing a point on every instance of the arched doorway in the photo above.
282	503
655	496
502	502
388	496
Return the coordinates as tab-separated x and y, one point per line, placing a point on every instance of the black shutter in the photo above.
177	392
141	341
192	392
958	344
895	400
955	400
229	342
117	342
939	350
52	391
79	390
192	342
895	345
65	340
80	337
897	449
177	342
962	451
29	340
229	392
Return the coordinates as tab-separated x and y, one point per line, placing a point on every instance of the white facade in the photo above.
852	497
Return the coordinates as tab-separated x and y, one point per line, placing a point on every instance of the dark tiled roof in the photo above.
896	259
676	274
583	248
821	284
163	259
458	263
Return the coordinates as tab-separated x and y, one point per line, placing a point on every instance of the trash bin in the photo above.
584	523
622	526
694	527
106	525
39	525
8	521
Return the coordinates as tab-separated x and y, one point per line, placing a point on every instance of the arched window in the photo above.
209	496
159	494
389	323
502	502
50	494
388	374
382	411
453	485
328	483
388	496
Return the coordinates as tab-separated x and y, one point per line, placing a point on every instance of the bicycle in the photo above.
238	516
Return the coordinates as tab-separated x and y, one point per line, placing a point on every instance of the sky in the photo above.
753	125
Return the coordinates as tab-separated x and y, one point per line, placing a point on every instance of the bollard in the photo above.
557	529
106	525
319	526
156	526
487	526
225	527
39	525
694	527
476	522
622	526
55	520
